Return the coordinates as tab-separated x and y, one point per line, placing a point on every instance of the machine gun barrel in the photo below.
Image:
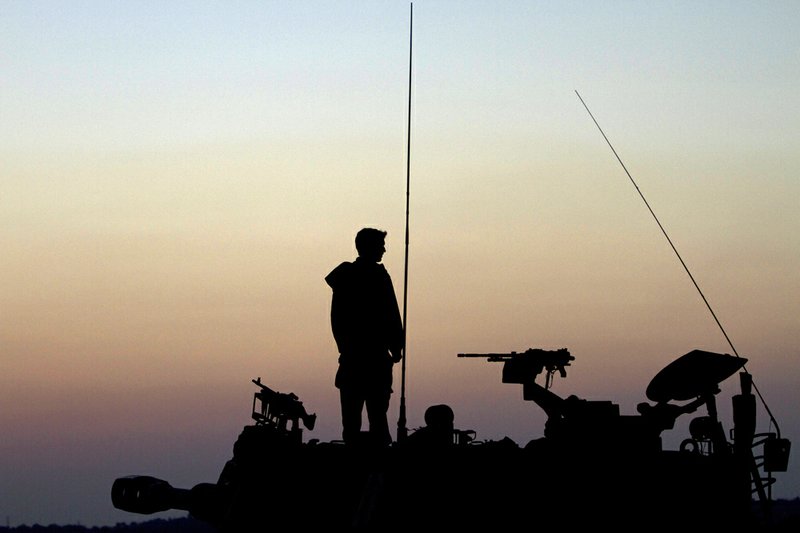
491	356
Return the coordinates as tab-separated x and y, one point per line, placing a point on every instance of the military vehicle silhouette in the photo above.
593	466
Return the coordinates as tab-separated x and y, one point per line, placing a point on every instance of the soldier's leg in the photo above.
377	406
352	404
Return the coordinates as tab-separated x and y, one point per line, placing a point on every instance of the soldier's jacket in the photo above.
366	323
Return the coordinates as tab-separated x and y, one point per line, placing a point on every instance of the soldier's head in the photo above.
370	244
440	417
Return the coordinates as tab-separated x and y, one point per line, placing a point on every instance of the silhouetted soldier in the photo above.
366	324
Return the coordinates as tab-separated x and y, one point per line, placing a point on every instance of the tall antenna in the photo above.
402	430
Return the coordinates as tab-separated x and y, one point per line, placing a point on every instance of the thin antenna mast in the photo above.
686	268
402	430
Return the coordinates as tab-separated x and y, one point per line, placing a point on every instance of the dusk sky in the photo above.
178	177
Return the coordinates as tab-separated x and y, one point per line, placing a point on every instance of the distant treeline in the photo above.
159	525
786	518
786	515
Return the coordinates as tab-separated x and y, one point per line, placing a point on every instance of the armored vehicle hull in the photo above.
592	468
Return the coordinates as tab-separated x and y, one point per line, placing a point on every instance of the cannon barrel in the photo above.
148	495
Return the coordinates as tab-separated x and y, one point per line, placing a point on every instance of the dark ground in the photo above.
786	518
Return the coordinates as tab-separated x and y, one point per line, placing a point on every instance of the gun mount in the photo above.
276	410
584	426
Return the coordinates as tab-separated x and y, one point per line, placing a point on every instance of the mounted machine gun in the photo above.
275	410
